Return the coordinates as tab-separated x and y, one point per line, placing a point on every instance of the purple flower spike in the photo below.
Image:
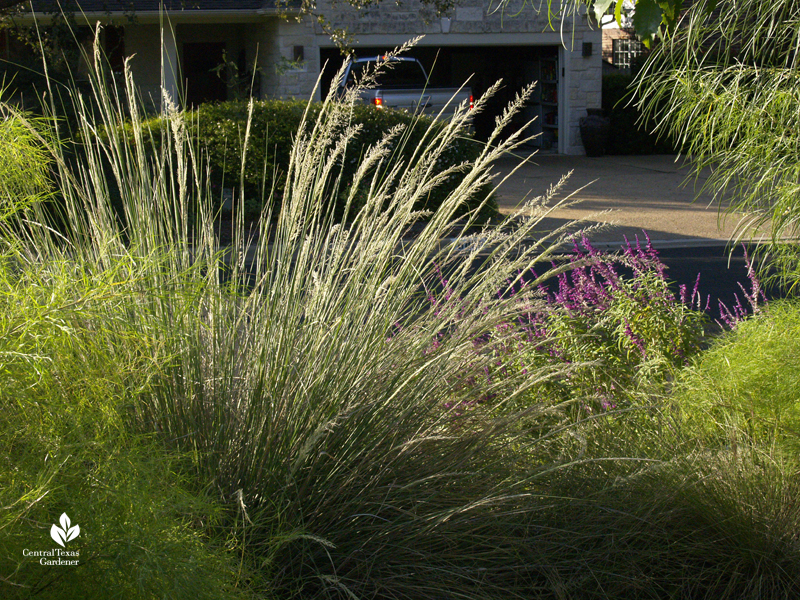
635	339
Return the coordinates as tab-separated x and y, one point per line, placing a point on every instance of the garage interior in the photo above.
517	66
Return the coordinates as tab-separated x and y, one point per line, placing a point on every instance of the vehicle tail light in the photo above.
378	102
471	102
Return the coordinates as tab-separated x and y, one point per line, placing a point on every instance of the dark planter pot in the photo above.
595	129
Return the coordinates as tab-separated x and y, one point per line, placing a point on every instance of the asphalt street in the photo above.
628	195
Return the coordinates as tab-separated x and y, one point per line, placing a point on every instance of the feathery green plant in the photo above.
727	85
744	390
71	370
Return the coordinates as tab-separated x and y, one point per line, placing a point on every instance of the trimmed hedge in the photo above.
221	127
627	137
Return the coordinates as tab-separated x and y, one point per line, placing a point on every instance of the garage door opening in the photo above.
517	66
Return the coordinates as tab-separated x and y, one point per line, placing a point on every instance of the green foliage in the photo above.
727	88
631	133
709	510
745	389
689	495
706	525
271	129
301	395
633	343
23	169
71	372
692	495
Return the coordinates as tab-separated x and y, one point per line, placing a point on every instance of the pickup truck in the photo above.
403	84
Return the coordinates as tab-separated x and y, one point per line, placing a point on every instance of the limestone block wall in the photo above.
281	75
583	85
268	54
413	18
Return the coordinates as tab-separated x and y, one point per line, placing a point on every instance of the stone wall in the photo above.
414	18
282	75
584	82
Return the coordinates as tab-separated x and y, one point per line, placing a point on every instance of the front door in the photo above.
205	81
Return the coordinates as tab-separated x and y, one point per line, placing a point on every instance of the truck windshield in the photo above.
399	74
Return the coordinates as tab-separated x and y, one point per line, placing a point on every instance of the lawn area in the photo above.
339	411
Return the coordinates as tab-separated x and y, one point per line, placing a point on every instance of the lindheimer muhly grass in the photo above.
296	367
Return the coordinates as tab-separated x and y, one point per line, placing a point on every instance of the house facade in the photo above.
208	50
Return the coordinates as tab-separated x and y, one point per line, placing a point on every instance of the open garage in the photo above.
480	67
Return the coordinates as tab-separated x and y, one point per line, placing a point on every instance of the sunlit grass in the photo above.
295	370
283	417
725	84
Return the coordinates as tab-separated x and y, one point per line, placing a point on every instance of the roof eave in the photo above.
174	17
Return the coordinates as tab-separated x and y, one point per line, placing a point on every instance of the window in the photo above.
625	51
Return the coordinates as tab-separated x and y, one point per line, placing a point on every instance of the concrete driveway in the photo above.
654	193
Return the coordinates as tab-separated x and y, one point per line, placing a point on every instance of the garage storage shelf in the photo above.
543	107
548	102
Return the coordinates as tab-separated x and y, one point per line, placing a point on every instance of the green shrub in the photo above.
272	128
746	389
705	505
629	135
692	495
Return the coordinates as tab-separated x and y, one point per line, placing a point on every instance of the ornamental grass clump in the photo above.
72	367
292	369
725	85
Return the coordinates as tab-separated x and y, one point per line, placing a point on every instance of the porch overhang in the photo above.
130	13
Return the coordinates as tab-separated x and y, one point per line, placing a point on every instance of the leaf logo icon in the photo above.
65	533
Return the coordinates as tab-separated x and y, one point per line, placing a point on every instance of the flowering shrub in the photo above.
622	333
619	334
730	317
